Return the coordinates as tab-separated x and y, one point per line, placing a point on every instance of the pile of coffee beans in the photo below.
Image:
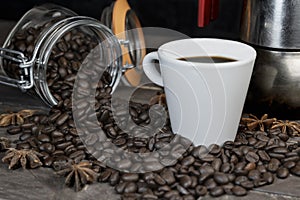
82	126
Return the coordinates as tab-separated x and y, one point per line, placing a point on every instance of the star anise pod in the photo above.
286	125
22	156
7	119
4	143
78	175
253	122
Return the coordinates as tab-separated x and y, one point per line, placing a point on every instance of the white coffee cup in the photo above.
205	100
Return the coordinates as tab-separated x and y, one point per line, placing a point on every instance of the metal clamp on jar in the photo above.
48	37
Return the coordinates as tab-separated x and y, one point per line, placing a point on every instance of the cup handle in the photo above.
150	69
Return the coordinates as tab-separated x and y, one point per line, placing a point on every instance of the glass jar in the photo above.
48	37
125	25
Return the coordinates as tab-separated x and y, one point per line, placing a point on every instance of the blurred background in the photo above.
180	15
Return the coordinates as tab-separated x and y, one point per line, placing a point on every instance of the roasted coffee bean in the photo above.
104	176
25	136
238	152
24	145
231	177
199	151
43	138
210	183
252	157
185	181
228	145
168	176
260	144
63	145
261	168
216	164
124	164
47	147
292	158
276	155
120	187
263	155
214	149
296	170
271	147
273	165
130	187
268	177
247	185
159	180
289	164
207	169
250	166
254	174
225	167
188	161
252	141
62	119
153	166
239	191
58	140
238	180
234	159
76	154
216	191
114	178
205	172
240	168
245	149
48	162
27	125
259	182
91	139
112	132
262	137
291	154
182	190
281	150
55	134
201	190
48	129
130	177
150	197
282	172
221	178
58	153
70	149
188	197
35	130
227	188
283	137
171	194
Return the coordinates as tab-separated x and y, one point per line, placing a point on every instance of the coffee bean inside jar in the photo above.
45	50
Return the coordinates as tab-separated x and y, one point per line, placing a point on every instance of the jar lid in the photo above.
127	28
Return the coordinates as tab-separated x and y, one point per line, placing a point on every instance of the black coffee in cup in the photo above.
207	59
